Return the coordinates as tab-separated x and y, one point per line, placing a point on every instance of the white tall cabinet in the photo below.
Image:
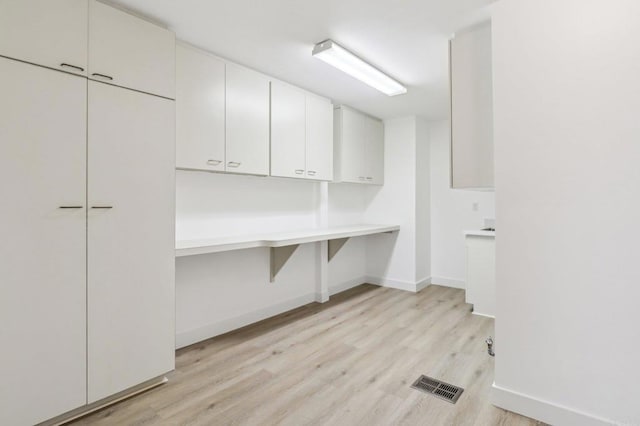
87	222
43	243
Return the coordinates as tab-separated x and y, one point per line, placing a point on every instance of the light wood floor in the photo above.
346	362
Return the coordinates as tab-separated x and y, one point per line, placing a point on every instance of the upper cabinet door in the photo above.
287	131
352	148
374	151
472	109
247	118
45	32
130	52
319	136
200	92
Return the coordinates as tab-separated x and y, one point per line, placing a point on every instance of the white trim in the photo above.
413	287
186	338
545	411
483	315
346	285
449	282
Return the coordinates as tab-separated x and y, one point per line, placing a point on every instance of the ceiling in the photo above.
405	38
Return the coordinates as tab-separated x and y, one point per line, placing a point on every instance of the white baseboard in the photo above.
344	286
545	411
448	282
398	284
190	337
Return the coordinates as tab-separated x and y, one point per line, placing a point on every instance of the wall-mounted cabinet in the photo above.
471	109
301	134
200	110
359	147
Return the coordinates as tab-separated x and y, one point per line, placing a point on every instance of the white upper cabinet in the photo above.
45	32
374	151
471	109
247	121
130	52
287	131
359	147
200	110
319	138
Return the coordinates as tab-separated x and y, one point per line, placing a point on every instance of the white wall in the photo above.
392	261
567	99
452	212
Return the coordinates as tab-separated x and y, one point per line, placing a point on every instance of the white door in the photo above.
45	32
130	52
200	108
42	243
319	136
131	238
353	146
247	114
374	151
287	131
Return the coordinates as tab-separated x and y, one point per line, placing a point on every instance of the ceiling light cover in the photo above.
339	57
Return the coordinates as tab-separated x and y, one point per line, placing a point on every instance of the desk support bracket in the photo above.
335	246
280	256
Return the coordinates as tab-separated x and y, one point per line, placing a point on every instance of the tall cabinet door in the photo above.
352	146
374	151
42	248
247	121
319	136
45	32
131	238
287	131
200	92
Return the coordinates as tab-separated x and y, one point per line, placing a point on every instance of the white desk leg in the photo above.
322	268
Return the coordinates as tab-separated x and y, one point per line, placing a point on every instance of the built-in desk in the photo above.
282	244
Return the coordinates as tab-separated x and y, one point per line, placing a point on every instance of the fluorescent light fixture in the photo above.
336	55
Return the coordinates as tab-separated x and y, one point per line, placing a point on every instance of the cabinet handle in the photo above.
95	74
214	162
299	171
361	177
63	65
369	178
70	207
101	207
311	172
234	163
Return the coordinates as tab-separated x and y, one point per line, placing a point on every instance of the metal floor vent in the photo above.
438	388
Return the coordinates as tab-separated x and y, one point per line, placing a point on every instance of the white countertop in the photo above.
480	233
277	239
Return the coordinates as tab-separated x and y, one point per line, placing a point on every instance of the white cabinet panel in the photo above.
247	119
472	109
374	151
43	246
352	146
481	274
45	32
319	137
131	239
127	51
200	110
287	131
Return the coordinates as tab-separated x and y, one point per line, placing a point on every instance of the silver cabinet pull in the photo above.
107	77
234	164
311	172
214	162
361	177
299	171
71	207
369	178
101	207
63	65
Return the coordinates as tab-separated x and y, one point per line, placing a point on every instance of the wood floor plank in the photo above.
350	361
